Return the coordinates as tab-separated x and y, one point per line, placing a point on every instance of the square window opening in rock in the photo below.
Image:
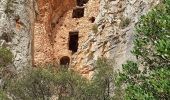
78	12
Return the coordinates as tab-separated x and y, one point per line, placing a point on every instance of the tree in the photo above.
152	49
43	83
5	57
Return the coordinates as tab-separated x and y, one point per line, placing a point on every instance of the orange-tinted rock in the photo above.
100	33
52	28
49	12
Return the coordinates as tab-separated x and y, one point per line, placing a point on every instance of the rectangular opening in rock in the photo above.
78	12
81	2
73	41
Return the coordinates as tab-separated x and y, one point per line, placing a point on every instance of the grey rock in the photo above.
21	36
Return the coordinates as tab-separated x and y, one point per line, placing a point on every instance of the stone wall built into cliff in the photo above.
78	32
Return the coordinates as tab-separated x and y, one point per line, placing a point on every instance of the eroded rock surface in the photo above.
48	15
104	28
16	29
56	21
113	38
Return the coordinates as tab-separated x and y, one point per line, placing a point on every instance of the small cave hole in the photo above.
65	61
92	19
52	25
81	2
6	37
103	26
17	19
78	12
73	41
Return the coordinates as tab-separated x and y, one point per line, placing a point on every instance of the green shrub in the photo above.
141	86
3	96
95	28
5	56
152	49
100	87
42	84
152	43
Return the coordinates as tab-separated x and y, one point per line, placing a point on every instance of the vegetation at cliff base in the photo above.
61	84
147	78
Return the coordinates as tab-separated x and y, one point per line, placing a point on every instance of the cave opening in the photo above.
73	41
78	12
81	2
92	19
6	37
65	61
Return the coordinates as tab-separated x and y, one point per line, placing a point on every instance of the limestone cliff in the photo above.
113	34
75	32
16	29
55	21
48	14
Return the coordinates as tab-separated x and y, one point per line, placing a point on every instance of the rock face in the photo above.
16	29
114	33
75	32
48	14
61	28
79	32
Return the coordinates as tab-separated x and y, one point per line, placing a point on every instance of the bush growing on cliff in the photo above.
3	96
152	49
103	80
124	22
5	57
95	28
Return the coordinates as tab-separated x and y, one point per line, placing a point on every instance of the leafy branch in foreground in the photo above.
152	49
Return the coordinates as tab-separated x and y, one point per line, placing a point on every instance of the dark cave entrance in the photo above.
65	61
81	2
92	19
78	12
6	37
73	41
